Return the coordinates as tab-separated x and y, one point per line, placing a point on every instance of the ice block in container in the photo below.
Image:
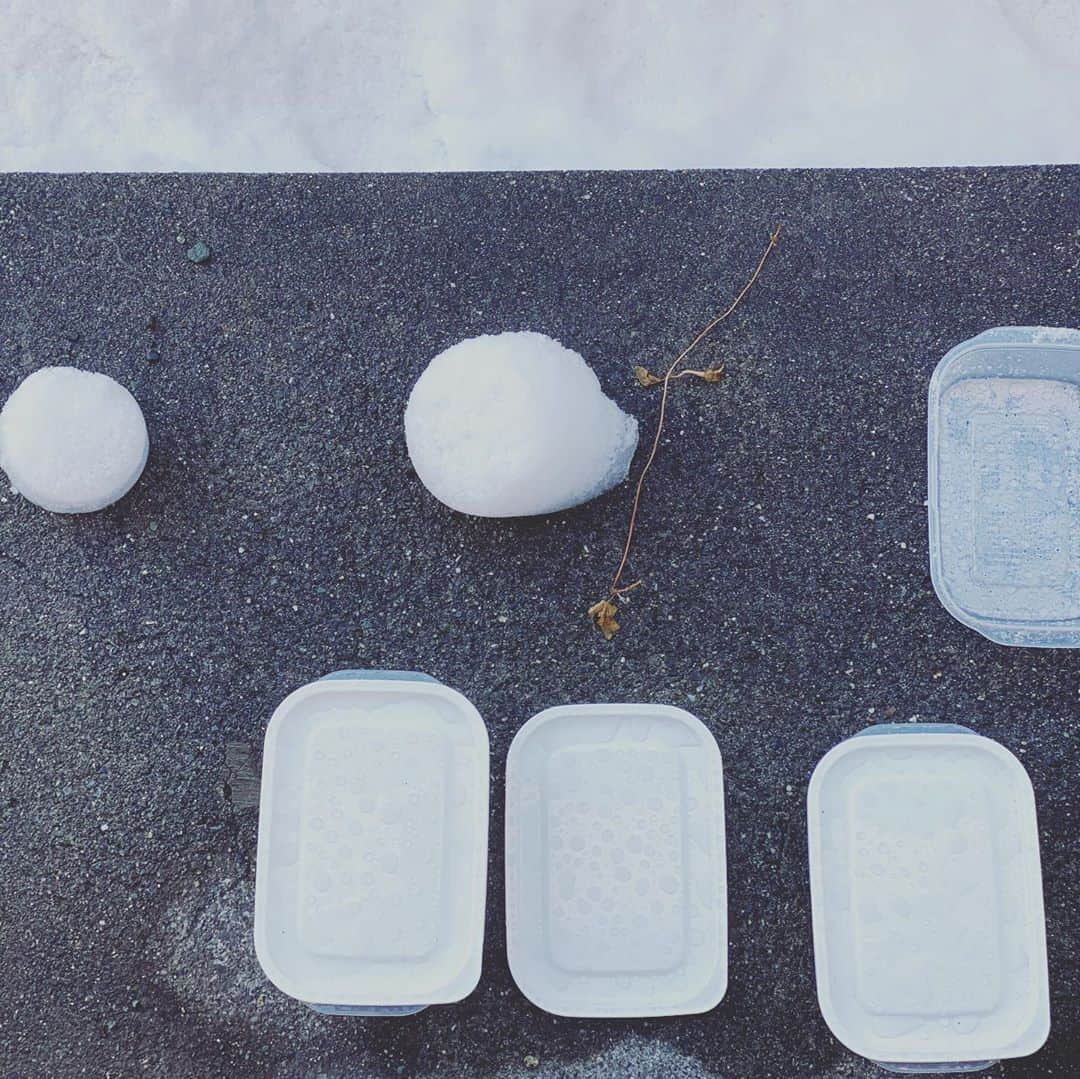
929	933
616	895
1003	452
371	876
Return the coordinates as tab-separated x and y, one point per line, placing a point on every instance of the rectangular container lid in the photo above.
929	933
372	862
1003	456
616	897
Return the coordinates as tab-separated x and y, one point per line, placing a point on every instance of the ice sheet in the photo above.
371	875
929	934
275	85
1004	439
616	894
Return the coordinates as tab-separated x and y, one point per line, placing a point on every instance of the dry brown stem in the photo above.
603	613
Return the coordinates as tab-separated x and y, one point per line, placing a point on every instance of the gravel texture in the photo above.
278	533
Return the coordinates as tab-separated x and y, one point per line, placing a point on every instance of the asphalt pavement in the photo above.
279	533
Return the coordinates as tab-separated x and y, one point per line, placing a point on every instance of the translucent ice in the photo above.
72	441
514	424
1004	481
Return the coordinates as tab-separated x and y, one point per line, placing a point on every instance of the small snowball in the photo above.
513	424
72	441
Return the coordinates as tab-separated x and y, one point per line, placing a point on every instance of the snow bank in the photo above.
278	85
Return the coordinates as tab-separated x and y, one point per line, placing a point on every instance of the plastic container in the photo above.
1003	457
929	933
371	877
616	895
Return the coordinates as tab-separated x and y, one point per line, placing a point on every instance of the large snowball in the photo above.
513	424
72	441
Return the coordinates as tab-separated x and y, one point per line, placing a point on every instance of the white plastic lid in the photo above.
372	863
616	894
929	933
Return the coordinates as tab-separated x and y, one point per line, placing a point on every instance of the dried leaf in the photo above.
711	374
645	377
603	616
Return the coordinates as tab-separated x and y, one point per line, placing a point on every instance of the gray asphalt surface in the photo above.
279	533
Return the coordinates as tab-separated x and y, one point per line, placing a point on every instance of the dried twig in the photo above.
603	613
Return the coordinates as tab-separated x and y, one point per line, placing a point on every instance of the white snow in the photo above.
72	441
513	424
283	85
1055	335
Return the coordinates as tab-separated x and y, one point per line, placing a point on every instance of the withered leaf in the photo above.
645	377
712	374
603	617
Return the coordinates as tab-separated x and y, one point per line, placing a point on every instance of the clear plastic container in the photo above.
371	876
1004	485
929	932
616	894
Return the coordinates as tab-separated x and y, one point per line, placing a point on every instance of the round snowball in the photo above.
514	424
72	441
